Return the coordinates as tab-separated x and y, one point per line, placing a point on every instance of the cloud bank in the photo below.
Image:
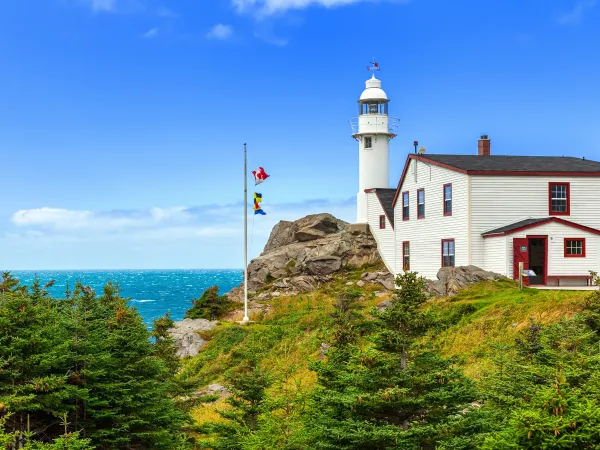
205	236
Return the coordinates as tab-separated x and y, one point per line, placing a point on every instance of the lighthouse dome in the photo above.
373	90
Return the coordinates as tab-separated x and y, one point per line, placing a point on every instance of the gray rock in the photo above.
323	350
186	337
349	283
290	254
360	283
216	389
453	279
382	306
369	276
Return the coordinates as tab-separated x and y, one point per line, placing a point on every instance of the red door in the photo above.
520	254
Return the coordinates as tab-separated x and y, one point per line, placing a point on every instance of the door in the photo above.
520	254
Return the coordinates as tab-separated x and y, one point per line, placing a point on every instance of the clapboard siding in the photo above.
425	235
498	201
495	255
384	237
557	263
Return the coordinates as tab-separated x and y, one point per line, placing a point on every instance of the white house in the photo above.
481	209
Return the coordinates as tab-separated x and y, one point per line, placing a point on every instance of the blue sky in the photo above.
122	122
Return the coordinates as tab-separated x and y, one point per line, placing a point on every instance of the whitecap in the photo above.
143	301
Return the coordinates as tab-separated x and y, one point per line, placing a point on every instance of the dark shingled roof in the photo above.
517	163
386	197
514	226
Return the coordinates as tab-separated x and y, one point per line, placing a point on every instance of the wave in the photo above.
143	301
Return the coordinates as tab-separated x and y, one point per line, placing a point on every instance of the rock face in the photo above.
186	337
453	279
306	252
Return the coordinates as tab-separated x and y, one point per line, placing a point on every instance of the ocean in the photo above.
152	292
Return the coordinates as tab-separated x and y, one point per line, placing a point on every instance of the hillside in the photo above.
297	329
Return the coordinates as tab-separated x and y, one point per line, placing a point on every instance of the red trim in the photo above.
382	222
448	240
403	254
444	199
545	238
418	215
582	248
488	172
408	201
548	220
553	213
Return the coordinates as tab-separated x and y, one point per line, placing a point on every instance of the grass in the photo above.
494	313
286	338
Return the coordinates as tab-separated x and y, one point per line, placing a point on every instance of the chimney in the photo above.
483	147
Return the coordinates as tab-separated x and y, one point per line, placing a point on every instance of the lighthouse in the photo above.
373	130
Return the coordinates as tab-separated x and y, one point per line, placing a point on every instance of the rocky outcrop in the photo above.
303	254
450	280
186	337
385	279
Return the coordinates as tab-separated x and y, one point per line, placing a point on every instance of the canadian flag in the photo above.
259	175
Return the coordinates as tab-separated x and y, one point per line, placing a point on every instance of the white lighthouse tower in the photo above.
373	130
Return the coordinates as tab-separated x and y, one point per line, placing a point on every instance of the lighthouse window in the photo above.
373	108
368	142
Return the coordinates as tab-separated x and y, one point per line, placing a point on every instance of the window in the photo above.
420	203
382	222
574	248
447	252
559	199
406	255
368	142
405	206
447	199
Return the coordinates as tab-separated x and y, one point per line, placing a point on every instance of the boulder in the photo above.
303	252
382	306
308	228
186	337
450	280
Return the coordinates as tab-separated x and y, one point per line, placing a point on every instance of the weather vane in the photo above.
374	65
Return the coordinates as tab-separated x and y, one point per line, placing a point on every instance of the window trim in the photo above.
406	206
555	213
382	222
447	214
582	247
442	251
404	267
418	215
370	147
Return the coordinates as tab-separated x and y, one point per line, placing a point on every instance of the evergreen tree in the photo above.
393	393
210	305
248	400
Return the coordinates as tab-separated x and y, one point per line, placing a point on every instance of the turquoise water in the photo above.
152	292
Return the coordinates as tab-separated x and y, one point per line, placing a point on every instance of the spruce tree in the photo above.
389	392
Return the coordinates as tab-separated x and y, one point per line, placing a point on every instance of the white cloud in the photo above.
114	6
163	11
576	15
103	5
52	217
152	32
268	7
220	31
167	237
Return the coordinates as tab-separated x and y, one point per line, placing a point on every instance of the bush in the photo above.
210	305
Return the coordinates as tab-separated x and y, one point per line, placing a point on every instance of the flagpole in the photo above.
246	318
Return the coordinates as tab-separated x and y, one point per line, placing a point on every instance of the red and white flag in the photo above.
259	175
